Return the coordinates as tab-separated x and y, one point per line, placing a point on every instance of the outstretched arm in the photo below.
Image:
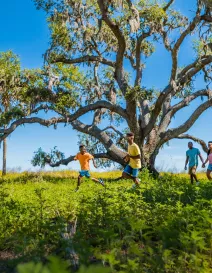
94	163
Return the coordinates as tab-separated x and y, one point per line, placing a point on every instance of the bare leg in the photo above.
192	179
209	175
127	176
195	177
79	181
96	180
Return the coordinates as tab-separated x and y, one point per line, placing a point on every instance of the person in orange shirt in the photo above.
84	157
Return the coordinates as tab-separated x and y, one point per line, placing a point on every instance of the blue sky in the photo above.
24	30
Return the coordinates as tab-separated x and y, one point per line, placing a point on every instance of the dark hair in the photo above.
209	142
81	146
130	134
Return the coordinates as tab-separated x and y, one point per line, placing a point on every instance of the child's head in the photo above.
209	147
82	149
190	145
130	137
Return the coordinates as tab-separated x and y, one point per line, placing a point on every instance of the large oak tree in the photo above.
102	38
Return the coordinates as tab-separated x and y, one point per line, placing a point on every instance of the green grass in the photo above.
163	226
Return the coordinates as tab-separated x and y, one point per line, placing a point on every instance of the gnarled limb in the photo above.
138	65
173	88
69	159
198	140
173	133
6	132
190	66
177	45
66	118
112	150
165	121
188	99
114	129
119	73
83	59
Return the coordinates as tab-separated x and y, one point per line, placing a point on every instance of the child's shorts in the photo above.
210	167
129	170
85	173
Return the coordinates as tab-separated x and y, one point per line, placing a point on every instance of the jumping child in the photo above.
134	161
84	157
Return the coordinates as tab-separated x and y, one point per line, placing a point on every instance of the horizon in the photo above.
25	32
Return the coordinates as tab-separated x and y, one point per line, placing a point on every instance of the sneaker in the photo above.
134	186
101	182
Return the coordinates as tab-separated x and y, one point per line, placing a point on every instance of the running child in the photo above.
84	157
134	160
209	159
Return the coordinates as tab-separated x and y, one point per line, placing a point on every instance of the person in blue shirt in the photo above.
192	160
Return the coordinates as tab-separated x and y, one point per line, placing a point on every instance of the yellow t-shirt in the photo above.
84	160
134	150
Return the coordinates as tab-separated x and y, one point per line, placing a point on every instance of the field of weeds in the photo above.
165	225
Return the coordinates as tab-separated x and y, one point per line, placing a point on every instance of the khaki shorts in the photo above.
192	170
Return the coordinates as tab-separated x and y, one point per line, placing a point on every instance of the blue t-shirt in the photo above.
193	156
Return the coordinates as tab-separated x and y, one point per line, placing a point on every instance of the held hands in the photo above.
203	165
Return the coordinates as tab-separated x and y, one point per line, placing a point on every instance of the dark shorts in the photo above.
210	167
85	173
129	170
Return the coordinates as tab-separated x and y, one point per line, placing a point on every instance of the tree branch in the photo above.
173	133
188	99
15	124
177	45
121	45
165	121
207	18
114	129
83	59
69	159
168	5
66	118
92	130
173	88
198	140
138	56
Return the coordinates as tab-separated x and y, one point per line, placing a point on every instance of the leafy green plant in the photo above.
162	226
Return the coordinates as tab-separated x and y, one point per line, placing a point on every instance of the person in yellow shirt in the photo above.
84	158
134	160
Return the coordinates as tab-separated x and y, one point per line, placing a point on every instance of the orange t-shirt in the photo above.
84	160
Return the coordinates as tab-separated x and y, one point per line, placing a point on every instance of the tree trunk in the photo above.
4	167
